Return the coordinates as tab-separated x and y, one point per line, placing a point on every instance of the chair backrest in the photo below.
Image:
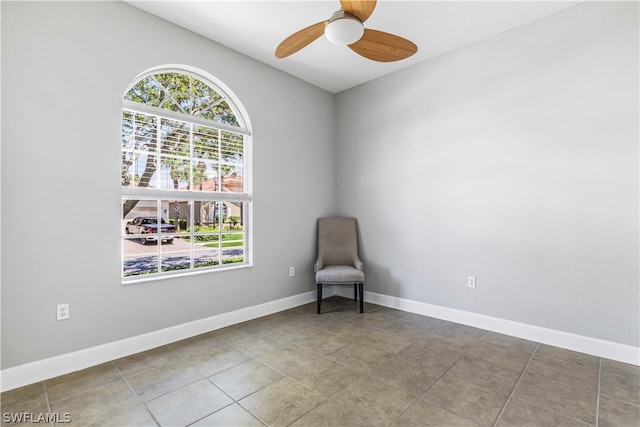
337	241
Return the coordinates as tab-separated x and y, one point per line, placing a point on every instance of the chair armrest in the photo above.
318	265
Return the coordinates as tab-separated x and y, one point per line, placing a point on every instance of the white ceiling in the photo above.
255	28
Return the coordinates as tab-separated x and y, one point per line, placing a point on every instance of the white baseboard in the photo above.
583	344
41	370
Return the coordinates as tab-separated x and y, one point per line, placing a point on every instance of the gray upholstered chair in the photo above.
338	262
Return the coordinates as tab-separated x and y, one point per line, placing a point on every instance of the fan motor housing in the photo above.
343	28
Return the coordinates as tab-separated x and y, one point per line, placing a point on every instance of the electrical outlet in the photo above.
292	271
471	282
62	311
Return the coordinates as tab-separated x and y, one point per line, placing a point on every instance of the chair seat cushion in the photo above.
339	274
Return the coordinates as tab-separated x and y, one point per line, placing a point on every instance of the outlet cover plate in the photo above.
62	311
471	282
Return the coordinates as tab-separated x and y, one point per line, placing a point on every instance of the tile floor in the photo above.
341	368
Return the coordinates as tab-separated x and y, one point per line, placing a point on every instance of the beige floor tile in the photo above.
385	341
556	397
325	321
217	359
293	316
368	307
188	404
408	330
290	357
24	400
322	342
282	402
326	377
350	308
375	400
391	312
461	333
418	319
335	303
240	331
136	363
476	370
618	414
509	342
500	355
138	416
342	313
436	352
425	413
521	414
467	400
625	388
259	344
163	379
407	376
374	320
332	414
303	310
619	368
567	355
81	381
293	330
97	404
198	344
446	340
580	376
245	378
229	416
350	330
271	321
360	357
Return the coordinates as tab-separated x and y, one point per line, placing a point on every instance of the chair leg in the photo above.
355	292
319	285
361	289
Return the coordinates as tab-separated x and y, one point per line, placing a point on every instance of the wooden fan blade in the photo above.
383	47
302	38
361	9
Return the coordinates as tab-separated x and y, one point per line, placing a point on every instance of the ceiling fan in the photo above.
346	27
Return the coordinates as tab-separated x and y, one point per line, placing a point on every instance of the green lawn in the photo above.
228	241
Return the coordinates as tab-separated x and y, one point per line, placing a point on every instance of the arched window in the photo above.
185	179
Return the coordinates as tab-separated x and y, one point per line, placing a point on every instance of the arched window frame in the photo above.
159	262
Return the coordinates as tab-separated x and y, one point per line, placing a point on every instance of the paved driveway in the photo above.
134	247
139	258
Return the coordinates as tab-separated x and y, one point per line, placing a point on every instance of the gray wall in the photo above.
514	160
65	67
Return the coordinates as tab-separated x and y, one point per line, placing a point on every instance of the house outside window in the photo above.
186	198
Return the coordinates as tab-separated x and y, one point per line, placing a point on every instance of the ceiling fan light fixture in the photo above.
343	29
